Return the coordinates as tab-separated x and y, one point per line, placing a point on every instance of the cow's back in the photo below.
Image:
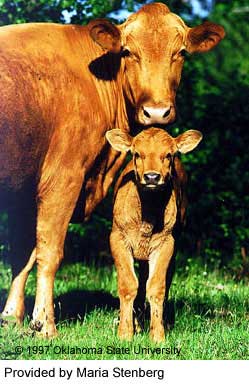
47	95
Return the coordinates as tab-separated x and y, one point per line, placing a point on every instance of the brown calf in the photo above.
146	209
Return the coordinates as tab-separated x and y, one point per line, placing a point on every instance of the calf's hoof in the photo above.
125	335
157	335
43	330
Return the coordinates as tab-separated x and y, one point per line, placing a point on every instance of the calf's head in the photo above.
153	152
152	43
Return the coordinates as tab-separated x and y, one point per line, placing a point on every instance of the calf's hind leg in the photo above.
139	304
127	284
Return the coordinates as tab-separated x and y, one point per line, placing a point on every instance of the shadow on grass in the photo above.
72	305
75	304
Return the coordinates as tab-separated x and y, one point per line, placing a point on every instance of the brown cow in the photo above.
147	206
62	88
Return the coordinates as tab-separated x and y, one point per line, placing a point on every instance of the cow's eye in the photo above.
125	52
179	55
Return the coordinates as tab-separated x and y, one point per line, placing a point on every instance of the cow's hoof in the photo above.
7	320
36	326
3	322
28	333
43	330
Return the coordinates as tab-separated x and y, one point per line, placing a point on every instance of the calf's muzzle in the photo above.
152	178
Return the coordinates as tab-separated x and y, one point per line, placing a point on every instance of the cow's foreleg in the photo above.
127	284
55	209
156	287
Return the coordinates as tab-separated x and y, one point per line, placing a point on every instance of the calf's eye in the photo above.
168	156
183	53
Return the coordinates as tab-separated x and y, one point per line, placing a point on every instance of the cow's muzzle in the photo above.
148	115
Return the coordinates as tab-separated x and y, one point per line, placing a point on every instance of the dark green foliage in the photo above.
77	11
59	11
3	235
89	239
21	11
214	99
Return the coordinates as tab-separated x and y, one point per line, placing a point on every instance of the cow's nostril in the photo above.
146	113
155	114
152	177
166	113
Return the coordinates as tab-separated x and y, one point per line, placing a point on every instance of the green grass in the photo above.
211	318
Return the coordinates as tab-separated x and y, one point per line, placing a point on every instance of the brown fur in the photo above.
60	93
144	218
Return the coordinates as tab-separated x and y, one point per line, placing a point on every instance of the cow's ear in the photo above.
204	37
106	34
119	140
187	141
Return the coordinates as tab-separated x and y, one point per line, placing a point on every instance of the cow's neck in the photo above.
107	75
108	78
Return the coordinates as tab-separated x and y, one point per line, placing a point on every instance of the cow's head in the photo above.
153	152
152	43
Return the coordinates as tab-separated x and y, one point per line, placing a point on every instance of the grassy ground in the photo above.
211	318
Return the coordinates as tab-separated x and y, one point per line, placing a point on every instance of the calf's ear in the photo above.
204	37
187	141
119	140
106	34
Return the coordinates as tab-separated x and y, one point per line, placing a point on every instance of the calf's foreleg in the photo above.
127	284
156	287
